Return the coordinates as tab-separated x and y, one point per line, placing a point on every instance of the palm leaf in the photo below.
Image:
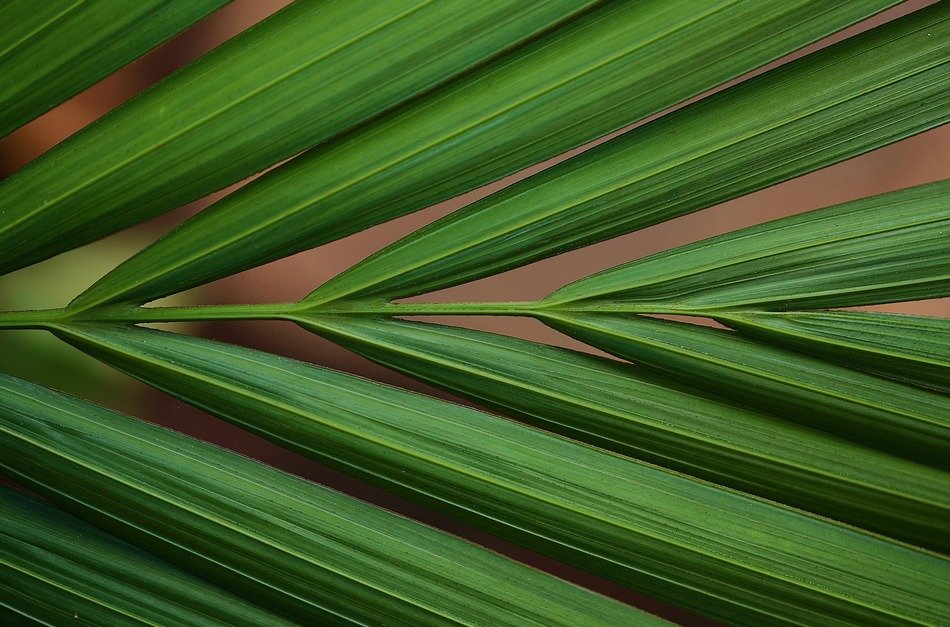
627	521
858	406
912	349
627	410
96	578
784	123
789	470
882	249
617	64
50	51
213	123
296	548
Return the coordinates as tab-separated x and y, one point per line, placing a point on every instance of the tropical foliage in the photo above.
789	467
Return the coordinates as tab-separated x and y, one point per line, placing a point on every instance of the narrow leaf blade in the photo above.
626	410
904	420
278	88
628	521
301	550
57	569
615	65
50	51
887	248
860	94
912	349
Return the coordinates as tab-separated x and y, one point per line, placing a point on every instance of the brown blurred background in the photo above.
921	159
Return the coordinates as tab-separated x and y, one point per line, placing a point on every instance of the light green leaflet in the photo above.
625	409
702	547
861	407
619	63
276	89
892	247
57	569
306	552
798	118
913	349
50	51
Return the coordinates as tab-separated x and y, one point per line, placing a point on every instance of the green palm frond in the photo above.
911	349
288	545
791	467
97	577
563	499
627	410
52	50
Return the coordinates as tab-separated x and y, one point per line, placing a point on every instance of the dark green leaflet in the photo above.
631	522
619	63
50	51
886	248
912	349
306	552
863	408
798	118
625	409
57	569
276	89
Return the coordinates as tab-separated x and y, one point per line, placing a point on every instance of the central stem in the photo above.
374	308
199	313
46	318
29	319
